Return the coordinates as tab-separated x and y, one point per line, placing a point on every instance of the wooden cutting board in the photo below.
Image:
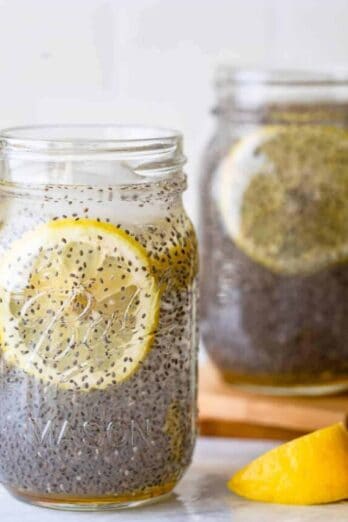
228	411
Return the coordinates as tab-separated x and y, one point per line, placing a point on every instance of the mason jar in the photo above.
97	316
274	231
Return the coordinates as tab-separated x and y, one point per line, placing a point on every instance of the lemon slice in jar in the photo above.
282	193
79	305
172	247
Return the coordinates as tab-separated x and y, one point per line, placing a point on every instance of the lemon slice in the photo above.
173	427
309	470
79	304
282	193
173	253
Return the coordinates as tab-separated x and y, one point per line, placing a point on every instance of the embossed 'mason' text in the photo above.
113	434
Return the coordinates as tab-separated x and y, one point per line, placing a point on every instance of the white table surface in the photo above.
201	496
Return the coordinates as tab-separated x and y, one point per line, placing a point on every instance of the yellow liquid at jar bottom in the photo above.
279	385
86	503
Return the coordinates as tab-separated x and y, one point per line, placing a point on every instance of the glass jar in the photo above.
97	316
274	232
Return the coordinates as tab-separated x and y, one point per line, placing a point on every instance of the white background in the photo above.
151	61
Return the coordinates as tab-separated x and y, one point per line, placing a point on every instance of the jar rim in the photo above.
97	138
226	74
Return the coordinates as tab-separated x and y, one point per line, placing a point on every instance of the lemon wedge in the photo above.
282	193
312	469
79	304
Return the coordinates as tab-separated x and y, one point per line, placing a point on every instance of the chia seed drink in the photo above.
97	316
274	232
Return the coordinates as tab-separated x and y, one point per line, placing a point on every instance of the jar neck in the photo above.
126	160
281	97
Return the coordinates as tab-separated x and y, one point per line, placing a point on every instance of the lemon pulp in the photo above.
79	304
